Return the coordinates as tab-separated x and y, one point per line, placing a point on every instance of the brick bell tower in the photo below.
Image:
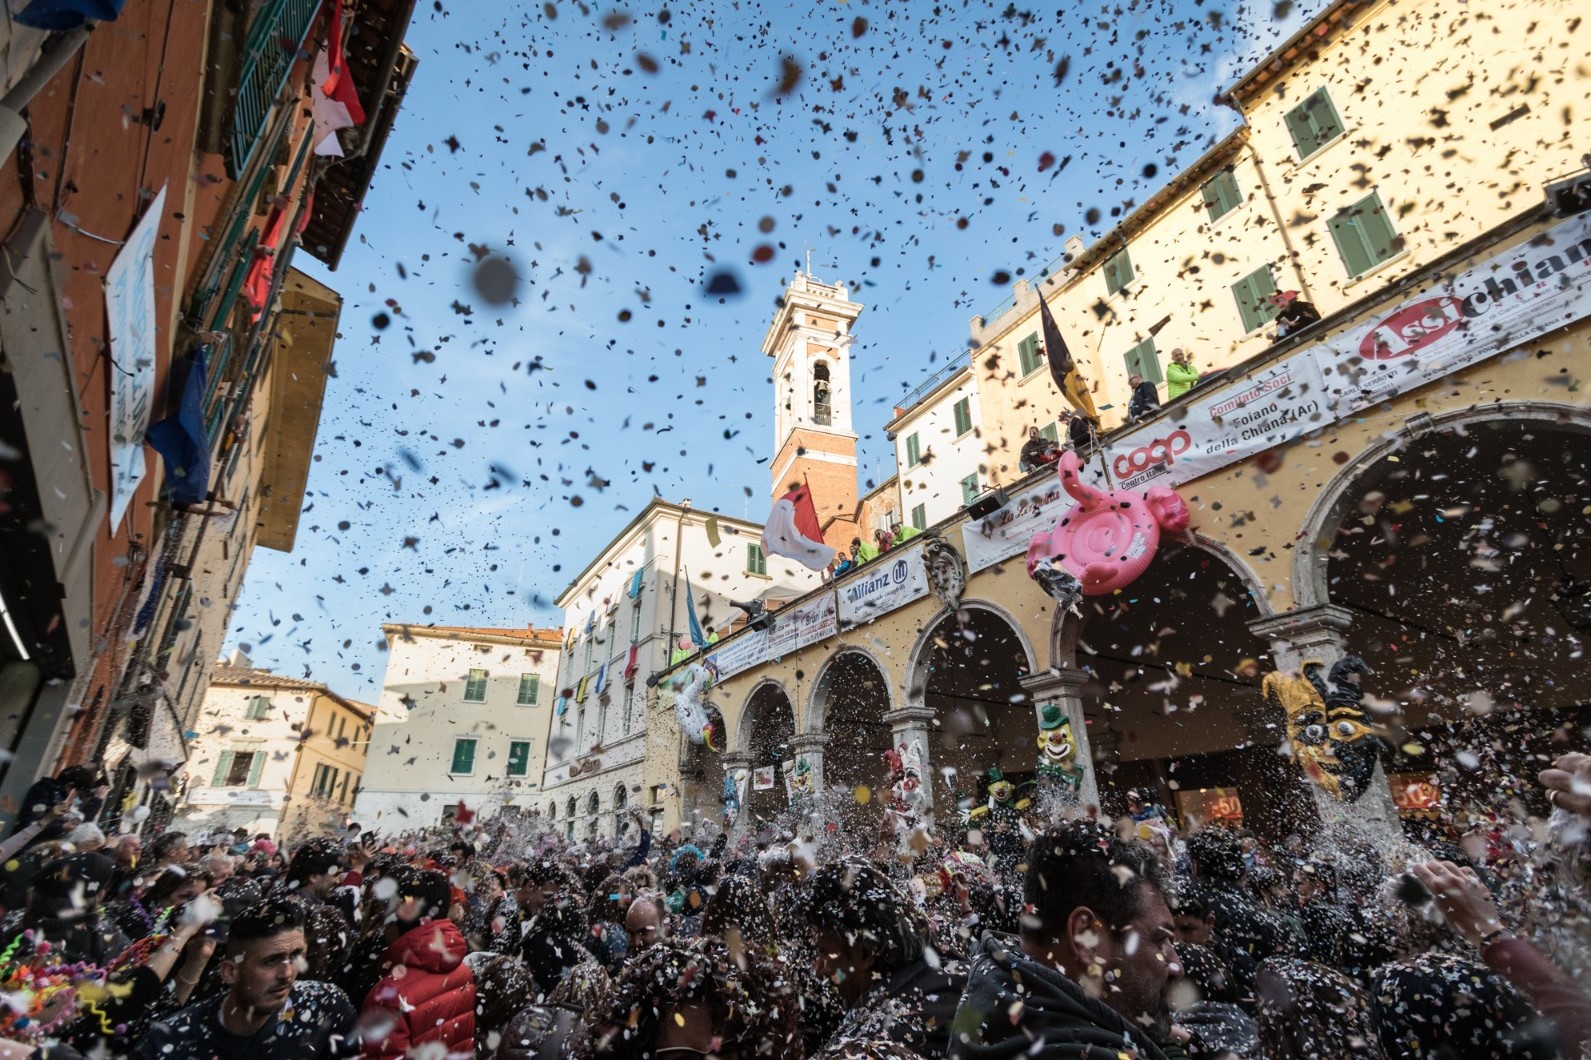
809	341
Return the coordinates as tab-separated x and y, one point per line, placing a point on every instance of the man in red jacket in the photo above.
426	992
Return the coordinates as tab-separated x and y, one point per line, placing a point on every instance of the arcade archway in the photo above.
1463	560
852	696
768	721
1174	706
970	668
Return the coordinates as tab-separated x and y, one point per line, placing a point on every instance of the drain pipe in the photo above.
58	50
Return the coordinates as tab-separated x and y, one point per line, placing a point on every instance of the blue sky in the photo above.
476	451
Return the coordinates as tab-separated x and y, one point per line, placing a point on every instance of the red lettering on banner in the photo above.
1411	327
1160	451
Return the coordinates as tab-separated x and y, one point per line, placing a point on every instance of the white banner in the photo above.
1519	295
130	316
1006	533
764	778
741	652
892	580
796	627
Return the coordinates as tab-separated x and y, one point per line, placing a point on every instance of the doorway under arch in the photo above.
769	723
851	695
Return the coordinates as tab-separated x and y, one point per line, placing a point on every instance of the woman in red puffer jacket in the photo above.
426	992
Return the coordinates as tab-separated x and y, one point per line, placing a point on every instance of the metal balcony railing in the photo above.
915	395
274	41
1008	303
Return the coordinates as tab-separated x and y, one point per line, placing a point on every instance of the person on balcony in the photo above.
1145	398
1295	313
1181	375
1038	451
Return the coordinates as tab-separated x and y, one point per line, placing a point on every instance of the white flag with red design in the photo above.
793	531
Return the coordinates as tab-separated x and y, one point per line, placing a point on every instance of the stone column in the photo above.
810	746
915	725
1321	633
734	762
1064	687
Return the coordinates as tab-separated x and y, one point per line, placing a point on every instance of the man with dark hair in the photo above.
1089	973
80	788
872	949
267	1012
170	848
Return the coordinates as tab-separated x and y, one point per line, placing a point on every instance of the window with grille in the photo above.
1252	294
529	690
1118	271
969	489
463	756
1028	356
1314	123
1221	196
518	758
1144	360
1364	235
756	562
475	687
914	454
920	517
963	413
259	708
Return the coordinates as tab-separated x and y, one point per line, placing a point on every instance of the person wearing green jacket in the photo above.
1181	375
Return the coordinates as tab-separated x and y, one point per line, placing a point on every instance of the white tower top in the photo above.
809	341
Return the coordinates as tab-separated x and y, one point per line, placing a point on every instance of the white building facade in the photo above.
621	614
463	721
939	447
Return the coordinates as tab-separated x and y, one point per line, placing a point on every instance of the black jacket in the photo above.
1056	1020
1145	399
316	1024
914	1007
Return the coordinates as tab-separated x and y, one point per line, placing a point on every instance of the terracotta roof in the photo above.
246	675
525	633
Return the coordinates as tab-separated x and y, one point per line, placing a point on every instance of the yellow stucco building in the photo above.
1403	480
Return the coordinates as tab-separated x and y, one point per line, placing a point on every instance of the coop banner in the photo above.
892	580
1006	533
796	627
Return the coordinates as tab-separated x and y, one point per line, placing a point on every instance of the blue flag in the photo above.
183	440
698	638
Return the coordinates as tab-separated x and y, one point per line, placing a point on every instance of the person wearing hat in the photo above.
1058	749
1293	313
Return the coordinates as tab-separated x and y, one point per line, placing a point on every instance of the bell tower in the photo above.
809	341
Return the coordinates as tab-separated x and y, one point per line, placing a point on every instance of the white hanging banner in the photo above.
130	316
892	580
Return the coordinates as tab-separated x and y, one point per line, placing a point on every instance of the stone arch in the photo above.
739	741
852	698
1310	562
811	720
918	657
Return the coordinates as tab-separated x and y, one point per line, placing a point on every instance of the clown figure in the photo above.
1058	749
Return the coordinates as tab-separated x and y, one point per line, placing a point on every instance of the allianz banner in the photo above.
892	580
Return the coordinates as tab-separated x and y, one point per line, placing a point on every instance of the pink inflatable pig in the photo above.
1107	540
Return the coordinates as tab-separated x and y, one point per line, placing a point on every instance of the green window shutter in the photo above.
463	756
518	758
529	689
475	687
1364	236
1052	432
969	489
1118	271
1314	123
256	767
1380	236
1251	294
920	517
913	450
963	412
1221	196
223	766
1028	354
756	562
1143	360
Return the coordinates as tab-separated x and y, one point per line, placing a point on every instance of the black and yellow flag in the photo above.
1062	367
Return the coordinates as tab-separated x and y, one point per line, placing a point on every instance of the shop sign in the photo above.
893	580
1512	298
796	627
130	319
1006	533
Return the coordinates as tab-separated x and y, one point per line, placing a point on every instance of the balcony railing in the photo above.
276	37
915	395
1008	303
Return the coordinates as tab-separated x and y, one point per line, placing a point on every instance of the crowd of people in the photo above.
1101	939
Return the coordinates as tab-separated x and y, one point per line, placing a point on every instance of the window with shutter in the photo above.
1252	295
256	767
914	454
463	756
1028	355
1313	123
756	562
1118	271
518	758
1144	360
920	517
963	411
1364	235
223	767
529	689
475	687
259	708
969	489
1221	196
